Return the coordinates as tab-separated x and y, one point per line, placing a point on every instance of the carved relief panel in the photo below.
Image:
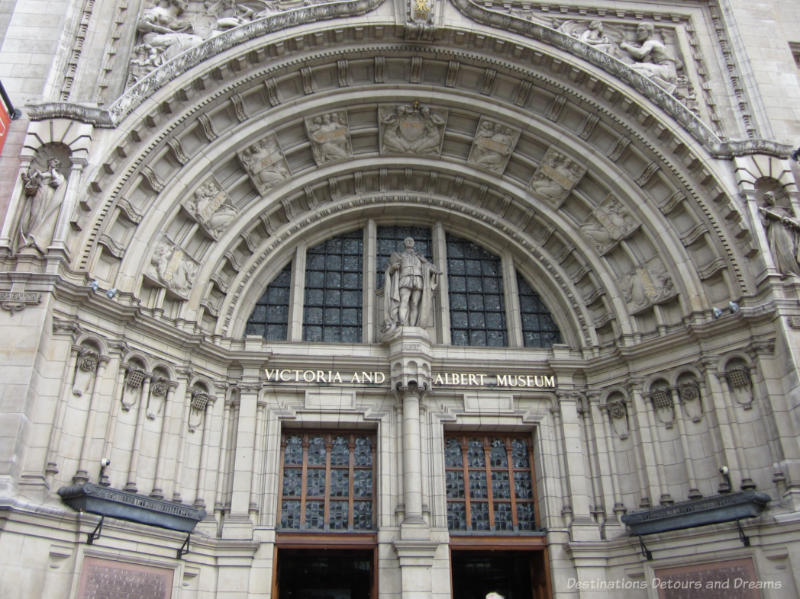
173	268
647	284
330	136
610	222
556	176
411	128
493	144
211	208
265	164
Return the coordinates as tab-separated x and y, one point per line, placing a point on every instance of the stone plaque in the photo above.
732	579
103	578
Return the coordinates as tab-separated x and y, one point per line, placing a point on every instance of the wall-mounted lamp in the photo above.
733	308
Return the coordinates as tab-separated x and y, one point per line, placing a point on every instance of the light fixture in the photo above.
733	306
717	312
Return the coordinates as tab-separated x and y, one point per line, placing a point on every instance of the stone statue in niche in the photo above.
647	285
173	268
212	208
556	176
408	289
44	190
411	129
493	144
265	164
783	235
609	223
651	58
329	135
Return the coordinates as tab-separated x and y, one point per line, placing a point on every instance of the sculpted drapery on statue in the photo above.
45	192
783	235
408	289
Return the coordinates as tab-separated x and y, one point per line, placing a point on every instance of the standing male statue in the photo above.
408	289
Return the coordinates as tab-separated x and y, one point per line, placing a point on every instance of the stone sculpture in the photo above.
330	138
44	190
651	57
173	268
265	164
408	289
783	233
411	129
647	285
610	222
212	209
493	145
556	176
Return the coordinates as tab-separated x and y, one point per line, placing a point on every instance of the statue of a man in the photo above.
651	57
408	288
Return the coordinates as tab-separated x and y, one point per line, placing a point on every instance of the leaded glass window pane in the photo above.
475	285
538	327
328	481
492	489
390	240
270	317
333	297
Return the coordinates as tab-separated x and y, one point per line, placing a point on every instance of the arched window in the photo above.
337	308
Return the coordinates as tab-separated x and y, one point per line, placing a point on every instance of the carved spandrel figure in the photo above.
411	129
265	164
161	29
651	57
408	289
783	235
45	193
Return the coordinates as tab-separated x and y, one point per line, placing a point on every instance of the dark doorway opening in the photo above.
325	574
513	574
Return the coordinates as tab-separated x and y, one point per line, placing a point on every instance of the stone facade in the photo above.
630	164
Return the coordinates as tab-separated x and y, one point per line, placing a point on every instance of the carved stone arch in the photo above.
173	103
557	290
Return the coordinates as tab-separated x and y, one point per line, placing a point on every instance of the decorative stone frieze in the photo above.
172	267
265	163
212	208
493	144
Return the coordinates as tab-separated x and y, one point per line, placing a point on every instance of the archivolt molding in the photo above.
168	150
216	101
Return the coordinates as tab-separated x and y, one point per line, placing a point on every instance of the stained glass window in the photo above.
538	327
477	306
498	494
327	481
333	298
270	317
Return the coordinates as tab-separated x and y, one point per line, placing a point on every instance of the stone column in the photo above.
410	357
238	524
